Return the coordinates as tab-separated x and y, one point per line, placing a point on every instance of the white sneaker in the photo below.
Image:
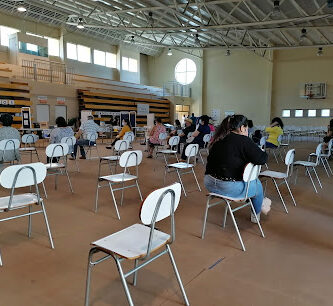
266	206
253	218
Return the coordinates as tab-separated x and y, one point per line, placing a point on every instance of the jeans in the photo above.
81	143
236	189
270	145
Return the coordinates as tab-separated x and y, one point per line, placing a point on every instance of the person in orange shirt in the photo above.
126	128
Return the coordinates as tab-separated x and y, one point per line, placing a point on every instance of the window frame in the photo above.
186	71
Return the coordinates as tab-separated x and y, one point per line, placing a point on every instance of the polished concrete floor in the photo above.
291	266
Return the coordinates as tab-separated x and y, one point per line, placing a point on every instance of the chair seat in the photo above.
132	242
27	149
168	151
304	163
21	200
273	174
284	144
112	158
119	177
321	155
216	195
181	165
54	166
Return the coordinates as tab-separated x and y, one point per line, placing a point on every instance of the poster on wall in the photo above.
143	109
61	100
42	99
216	115
229	113
26	118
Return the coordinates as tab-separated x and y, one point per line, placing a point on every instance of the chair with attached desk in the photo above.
18	176
138	242
250	174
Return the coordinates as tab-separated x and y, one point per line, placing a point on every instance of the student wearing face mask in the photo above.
231	150
126	127
198	135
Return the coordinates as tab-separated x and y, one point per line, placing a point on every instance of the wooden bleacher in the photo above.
13	97
105	102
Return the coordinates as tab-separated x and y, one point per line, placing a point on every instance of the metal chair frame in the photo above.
146	259
30	211
173	143
28	140
71	141
58	170
193	152
110	184
289	159
92	138
15	143
246	201
206	140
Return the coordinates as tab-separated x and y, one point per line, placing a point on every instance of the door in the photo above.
60	111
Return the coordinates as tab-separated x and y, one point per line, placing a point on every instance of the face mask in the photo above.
123	123
200	121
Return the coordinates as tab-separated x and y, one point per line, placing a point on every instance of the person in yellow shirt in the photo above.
274	131
126	128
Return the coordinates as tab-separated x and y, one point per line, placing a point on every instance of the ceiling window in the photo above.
325	112
4	34
312	113
185	71
286	113
83	54
71	51
110	60
298	113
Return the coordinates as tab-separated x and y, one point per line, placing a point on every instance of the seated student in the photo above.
274	131
8	132
86	129
154	136
329	134
126	128
198	134
177	127
211	125
230	151
189	128
257	136
61	131
251	128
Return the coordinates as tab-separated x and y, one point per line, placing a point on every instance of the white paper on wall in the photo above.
216	115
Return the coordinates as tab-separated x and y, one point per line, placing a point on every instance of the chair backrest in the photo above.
330	147
192	150
57	150
162	136
18	176
70	141
289	159
262	141
9	144
174	141
129	136
279	139
189	134
179	132
207	138
29	138
318	153
121	145
251	173
158	205
92	137
130	159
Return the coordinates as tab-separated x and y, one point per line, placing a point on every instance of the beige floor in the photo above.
291	266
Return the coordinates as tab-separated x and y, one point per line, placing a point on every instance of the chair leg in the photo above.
114	200
122	194
328	165
165	173
37	155
96	197
310	176
123	280
135	275
44	189
225	216
196	179
137	186
77	165
47	224
201	157
0	259
181	182
90	265
69	181
236	226
29	222
205	219
177	275
315	172
280	195
324	165
258	222
291	194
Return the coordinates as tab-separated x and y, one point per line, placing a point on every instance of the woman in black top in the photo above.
231	150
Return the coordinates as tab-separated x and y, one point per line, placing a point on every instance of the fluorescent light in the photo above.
80	24
21	9
169	52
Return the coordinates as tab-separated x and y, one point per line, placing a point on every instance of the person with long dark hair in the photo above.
230	151
274	131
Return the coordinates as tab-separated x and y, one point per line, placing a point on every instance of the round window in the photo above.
185	71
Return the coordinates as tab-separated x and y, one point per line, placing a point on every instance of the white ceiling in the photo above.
151	25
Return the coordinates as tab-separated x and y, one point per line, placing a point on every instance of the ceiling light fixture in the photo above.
197	40
228	53
276	9
80	24
169	52
132	39
150	19
303	35
21	8
320	51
